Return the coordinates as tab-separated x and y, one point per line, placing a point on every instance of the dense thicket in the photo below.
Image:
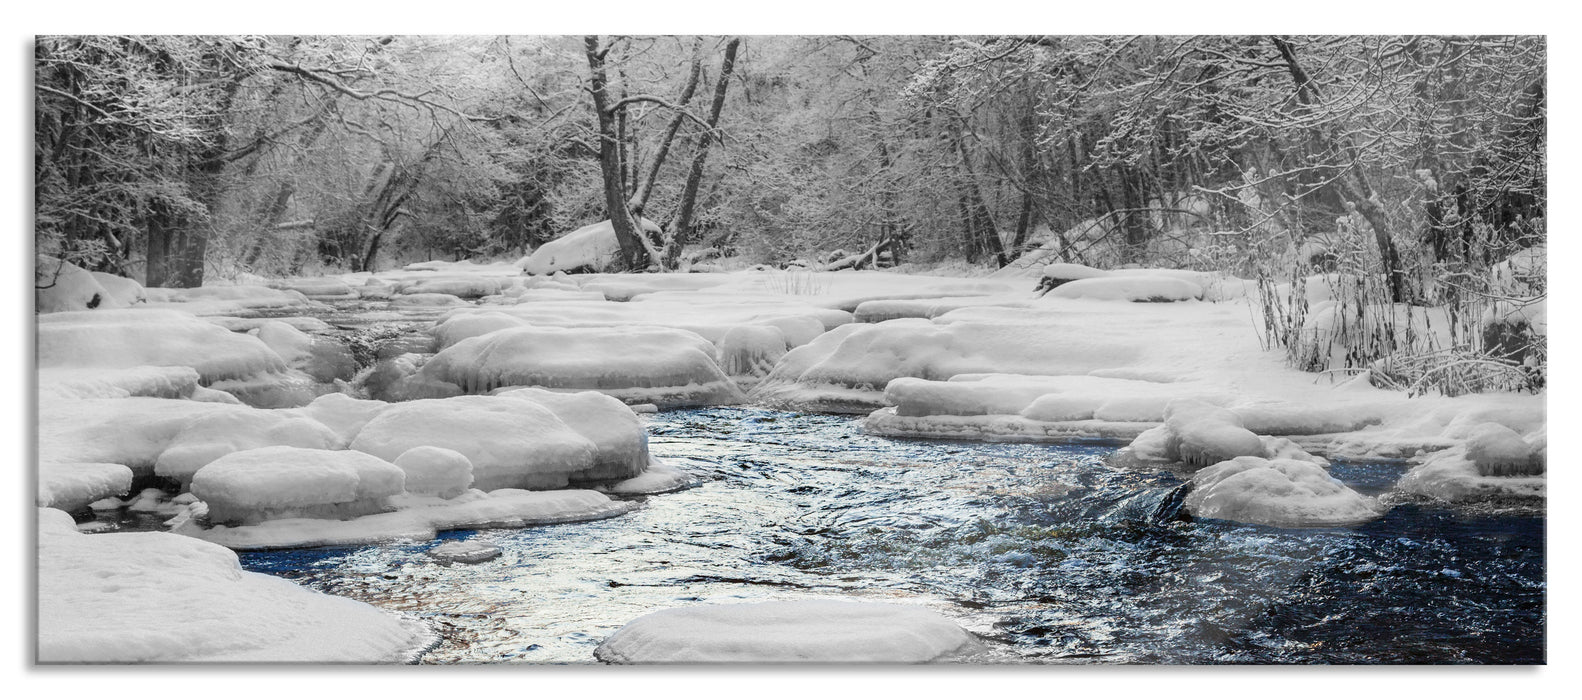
1411	164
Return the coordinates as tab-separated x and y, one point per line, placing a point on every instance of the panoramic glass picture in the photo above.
1038	349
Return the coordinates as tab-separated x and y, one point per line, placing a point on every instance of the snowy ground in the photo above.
267	435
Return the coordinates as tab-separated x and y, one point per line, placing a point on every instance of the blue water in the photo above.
1044	551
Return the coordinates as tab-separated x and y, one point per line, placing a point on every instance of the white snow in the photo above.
340	413
71	486
620	441
435	471
657	477
511	443
802	631
120	291
157	597
270	483
1279	493
208	437
663	366
125	338
593	246
100	383
1130	288
420	518
62	286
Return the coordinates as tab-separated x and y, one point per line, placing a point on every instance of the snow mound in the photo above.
120	290
316	288
61	286
206	438
1129	288
1500	451
1493	463
428	300
1279	493
271	483
71	486
848	373
620	441
340	413
464	552
462	287
1201	434
133	431
435	471
157	597
421	518
128	338
510	442
662	366
592	248
804	631
91	383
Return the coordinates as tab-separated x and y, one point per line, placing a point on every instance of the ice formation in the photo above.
205	438
435	471
71	486
749	352
271	483
512	443
1279	493
802	631
1492	463
317	288
663	366
157	597
340	413
657	477
98	383
464	552
462	287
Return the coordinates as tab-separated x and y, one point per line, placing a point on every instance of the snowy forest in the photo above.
892	348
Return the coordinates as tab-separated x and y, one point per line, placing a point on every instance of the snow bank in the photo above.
592	247
662	366
510	442
217	300
71	486
317	288
157	597
1493	463
61	286
120	291
128	338
132	431
1129	288
462	287
100	383
206	438
1279	493
435	471
272	483
804	631
420	518
849	374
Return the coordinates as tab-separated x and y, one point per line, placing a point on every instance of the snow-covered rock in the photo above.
620	441
317	288
271	483
461	287
1279	493
71	486
102	383
663	366
420	518
120	290
803	631
61	286
592	248
749	352
132	431
208	437
512	443
155	597
342	414
1129	288
125	338
435	471
427	299
463	552
657	478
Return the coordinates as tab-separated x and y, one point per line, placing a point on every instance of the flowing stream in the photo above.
1044	551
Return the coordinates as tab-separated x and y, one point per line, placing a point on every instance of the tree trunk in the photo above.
634	255
681	228
640	197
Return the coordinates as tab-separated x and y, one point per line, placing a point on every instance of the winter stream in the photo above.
1044	551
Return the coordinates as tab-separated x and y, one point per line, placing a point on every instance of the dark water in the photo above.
1044	551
